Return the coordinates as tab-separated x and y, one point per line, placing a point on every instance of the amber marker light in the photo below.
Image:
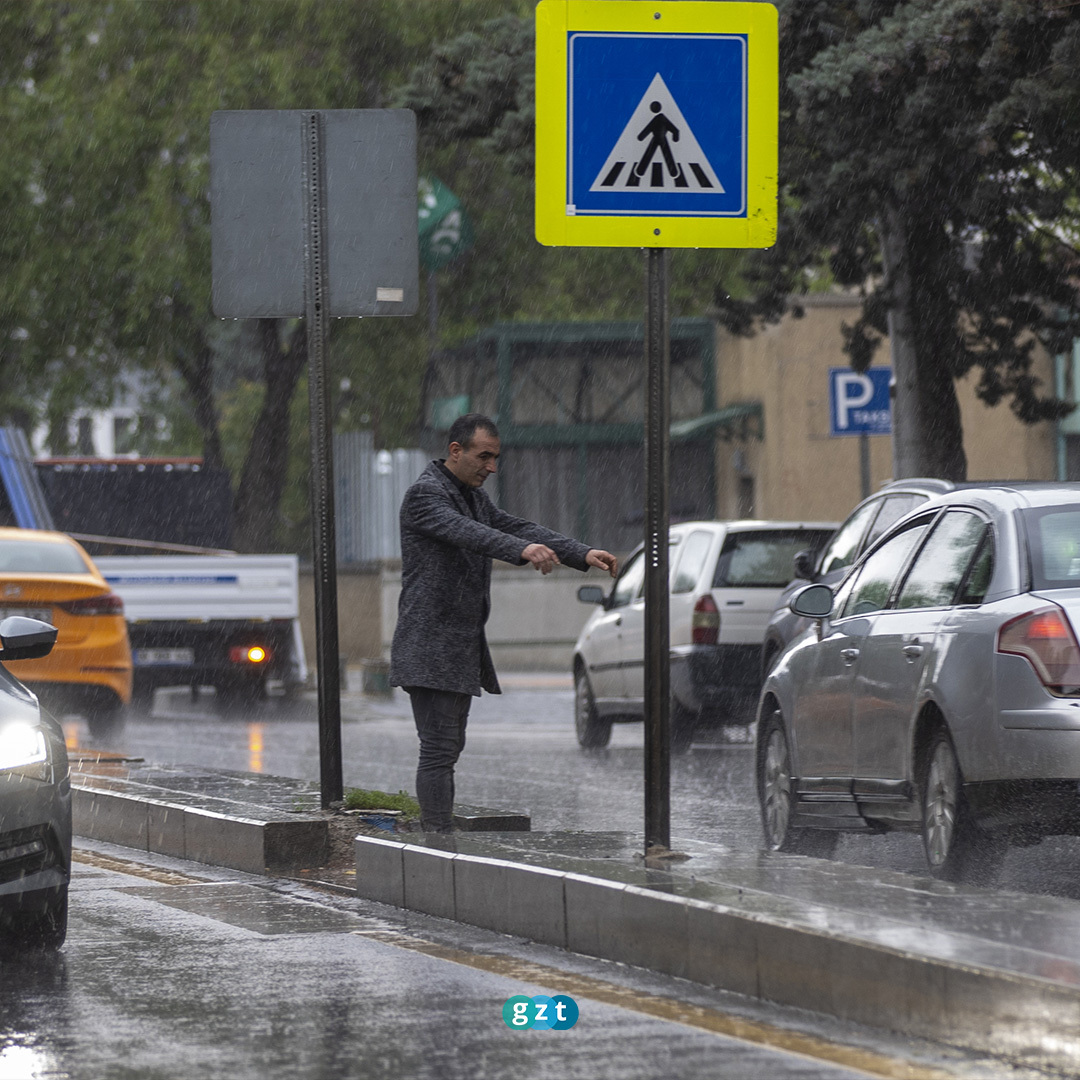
251	654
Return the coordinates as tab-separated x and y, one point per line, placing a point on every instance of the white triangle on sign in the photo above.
657	151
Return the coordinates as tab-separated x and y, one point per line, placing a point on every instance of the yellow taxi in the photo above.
48	576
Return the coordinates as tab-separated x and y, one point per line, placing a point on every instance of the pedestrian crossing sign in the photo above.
656	123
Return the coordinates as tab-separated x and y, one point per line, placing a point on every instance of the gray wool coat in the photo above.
446	555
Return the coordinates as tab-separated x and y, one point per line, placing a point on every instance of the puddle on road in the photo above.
250	907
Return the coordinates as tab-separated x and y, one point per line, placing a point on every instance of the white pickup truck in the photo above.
227	621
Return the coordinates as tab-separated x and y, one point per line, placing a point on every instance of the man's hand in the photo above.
603	560
542	557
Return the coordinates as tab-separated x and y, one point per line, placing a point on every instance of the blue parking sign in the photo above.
859	402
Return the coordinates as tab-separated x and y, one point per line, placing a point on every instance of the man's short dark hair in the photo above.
465	427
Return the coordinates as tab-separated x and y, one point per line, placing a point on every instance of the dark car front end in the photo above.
35	821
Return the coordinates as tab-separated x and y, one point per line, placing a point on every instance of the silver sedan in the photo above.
938	689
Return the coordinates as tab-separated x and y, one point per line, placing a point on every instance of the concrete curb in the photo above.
199	835
227	829
1022	1017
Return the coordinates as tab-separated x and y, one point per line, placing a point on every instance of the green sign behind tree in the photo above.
445	232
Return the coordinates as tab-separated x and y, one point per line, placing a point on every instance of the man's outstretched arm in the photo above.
603	560
545	560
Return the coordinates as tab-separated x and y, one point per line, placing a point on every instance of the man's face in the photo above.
474	464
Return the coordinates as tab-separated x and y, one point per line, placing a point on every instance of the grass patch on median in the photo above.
362	799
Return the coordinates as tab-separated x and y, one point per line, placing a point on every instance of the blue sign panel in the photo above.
657	124
859	403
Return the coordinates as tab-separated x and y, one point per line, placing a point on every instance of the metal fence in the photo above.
369	485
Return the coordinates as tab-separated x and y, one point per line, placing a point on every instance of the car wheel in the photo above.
40	922
142	695
105	714
592	730
682	726
956	848
241	693
776	796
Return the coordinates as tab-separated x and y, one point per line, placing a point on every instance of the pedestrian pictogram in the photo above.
657	150
656	124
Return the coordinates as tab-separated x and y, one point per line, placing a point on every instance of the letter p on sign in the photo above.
859	403
853	391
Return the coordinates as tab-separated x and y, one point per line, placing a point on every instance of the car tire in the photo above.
105	713
776	797
593	731
142	695
956	848
241	693
682	726
40	921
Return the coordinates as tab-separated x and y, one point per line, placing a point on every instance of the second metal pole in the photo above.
864	465
657	515
322	466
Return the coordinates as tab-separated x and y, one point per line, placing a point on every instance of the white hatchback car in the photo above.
725	579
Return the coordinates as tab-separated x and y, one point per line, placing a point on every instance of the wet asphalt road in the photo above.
521	754
173	970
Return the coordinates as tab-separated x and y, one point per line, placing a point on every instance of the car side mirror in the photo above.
25	639
812	602
591	594
804	565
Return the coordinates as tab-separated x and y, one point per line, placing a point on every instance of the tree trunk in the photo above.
198	374
262	479
928	437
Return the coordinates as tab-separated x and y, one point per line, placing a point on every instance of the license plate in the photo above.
151	657
44	614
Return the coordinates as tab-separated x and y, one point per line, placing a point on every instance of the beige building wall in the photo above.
798	471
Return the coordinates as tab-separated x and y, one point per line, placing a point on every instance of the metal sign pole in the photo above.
322	462
657	515
864	465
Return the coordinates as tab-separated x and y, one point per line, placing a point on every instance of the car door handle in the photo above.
912	652
618	620
849	656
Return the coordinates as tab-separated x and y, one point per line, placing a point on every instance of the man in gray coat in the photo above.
450	532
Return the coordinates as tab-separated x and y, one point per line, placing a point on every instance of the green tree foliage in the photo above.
105	254
929	159
474	99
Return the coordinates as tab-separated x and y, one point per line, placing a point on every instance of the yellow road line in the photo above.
140	870
662	1008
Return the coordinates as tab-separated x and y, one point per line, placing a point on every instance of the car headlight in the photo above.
22	745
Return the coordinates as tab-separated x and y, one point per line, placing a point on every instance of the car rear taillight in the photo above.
249	654
105	604
705	624
1046	640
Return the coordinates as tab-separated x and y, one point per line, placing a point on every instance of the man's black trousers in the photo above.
440	717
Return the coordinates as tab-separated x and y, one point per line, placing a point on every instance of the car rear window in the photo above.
763	560
1054	542
691	561
30	557
892	510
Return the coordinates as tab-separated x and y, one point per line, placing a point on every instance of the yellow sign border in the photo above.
759	21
